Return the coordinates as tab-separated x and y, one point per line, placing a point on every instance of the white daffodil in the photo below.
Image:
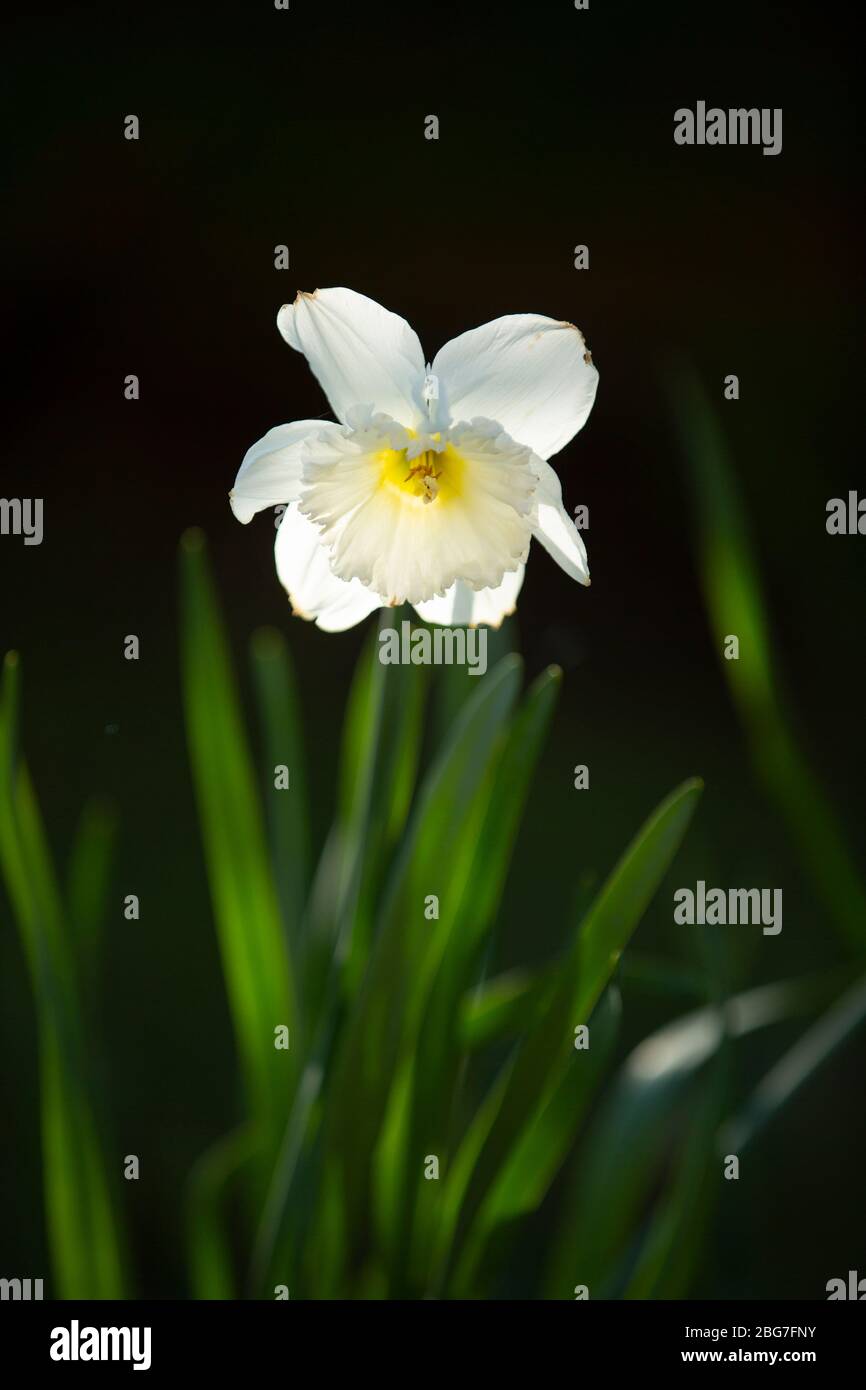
432	485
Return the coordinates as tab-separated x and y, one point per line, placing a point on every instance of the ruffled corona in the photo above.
409	523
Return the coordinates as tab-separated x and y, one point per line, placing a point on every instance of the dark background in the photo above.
305	127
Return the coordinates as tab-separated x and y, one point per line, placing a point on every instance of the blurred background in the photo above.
306	127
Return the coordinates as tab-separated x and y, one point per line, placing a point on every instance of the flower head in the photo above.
434	481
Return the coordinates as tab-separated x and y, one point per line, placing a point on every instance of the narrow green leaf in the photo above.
339	868
256	965
377	777
88	886
284	1214
671	1245
286	808
435	859
541	1148
82	1230
209	1251
453	684
630	1136
499	1008
435	1062
527	1084
405	694
627	893
735	604
398	751
799	1066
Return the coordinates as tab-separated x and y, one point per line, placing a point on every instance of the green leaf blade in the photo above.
257	968
526	1086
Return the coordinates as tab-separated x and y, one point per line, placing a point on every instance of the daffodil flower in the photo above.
435	480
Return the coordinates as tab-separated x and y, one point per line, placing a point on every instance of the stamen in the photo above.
426	473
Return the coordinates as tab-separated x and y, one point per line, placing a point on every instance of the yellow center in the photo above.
429	477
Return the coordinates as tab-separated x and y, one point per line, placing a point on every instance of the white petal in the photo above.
360	353
552	525
470	606
271	470
532	374
304	572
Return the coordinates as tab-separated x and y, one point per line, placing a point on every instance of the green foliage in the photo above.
730	577
83	1234
651	1166
259	972
404	1048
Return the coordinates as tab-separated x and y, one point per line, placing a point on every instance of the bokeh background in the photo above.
261	127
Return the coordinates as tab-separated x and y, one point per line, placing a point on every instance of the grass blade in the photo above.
530	1081
735	605
377	778
82	1230
541	1148
499	1008
402	690
209	1252
671	1246
435	859
799	1066
256	965
630	1137
89	881
435	1063
287	809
